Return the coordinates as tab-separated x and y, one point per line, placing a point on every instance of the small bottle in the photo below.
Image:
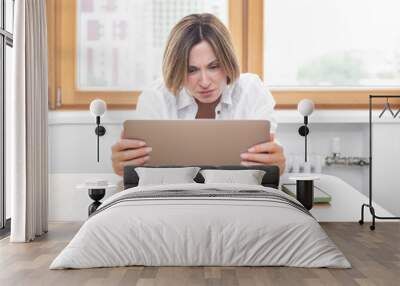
318	164
296	164
307	167
335	145
289	163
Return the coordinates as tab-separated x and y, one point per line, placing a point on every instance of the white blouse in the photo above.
247	98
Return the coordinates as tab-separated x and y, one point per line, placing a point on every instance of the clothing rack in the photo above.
369	205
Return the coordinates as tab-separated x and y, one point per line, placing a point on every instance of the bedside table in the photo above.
305	189
345	202
96	193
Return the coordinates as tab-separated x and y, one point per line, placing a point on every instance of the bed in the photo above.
201	224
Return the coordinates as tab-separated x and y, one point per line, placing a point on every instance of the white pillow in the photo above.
248	177
162	176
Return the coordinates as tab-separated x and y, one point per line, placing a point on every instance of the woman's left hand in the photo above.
267	153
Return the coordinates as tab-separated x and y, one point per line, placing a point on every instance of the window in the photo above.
6	43
70	57
335	52
348	48
333	43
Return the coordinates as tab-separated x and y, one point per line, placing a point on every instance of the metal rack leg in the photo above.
372	210
361	221
374	216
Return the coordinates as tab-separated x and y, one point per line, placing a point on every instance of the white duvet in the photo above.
183	231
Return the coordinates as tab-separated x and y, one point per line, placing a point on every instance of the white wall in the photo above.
72	150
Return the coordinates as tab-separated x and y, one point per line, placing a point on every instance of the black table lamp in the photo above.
305	107
98	107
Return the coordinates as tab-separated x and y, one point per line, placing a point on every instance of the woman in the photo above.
201	79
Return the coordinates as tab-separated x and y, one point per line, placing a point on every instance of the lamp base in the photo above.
305	193
96	195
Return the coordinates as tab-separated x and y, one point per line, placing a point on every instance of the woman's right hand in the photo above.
128	152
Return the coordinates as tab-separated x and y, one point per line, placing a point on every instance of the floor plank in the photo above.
374	255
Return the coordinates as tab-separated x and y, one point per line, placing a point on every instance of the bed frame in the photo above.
270	179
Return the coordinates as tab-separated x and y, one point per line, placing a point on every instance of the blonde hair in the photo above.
188	32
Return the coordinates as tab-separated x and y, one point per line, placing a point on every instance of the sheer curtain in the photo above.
26	117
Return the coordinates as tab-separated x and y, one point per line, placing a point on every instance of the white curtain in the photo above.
26	119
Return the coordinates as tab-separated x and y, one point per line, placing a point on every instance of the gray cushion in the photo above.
162	176
248	177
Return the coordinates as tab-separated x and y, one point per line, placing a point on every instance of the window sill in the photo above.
282	116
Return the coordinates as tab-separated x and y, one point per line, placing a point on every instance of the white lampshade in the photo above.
305	107
98	107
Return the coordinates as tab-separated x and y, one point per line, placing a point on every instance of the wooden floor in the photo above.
374	255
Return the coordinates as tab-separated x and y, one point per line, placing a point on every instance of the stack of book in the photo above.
320	197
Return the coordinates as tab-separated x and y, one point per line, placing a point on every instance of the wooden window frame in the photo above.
248	15
62	64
